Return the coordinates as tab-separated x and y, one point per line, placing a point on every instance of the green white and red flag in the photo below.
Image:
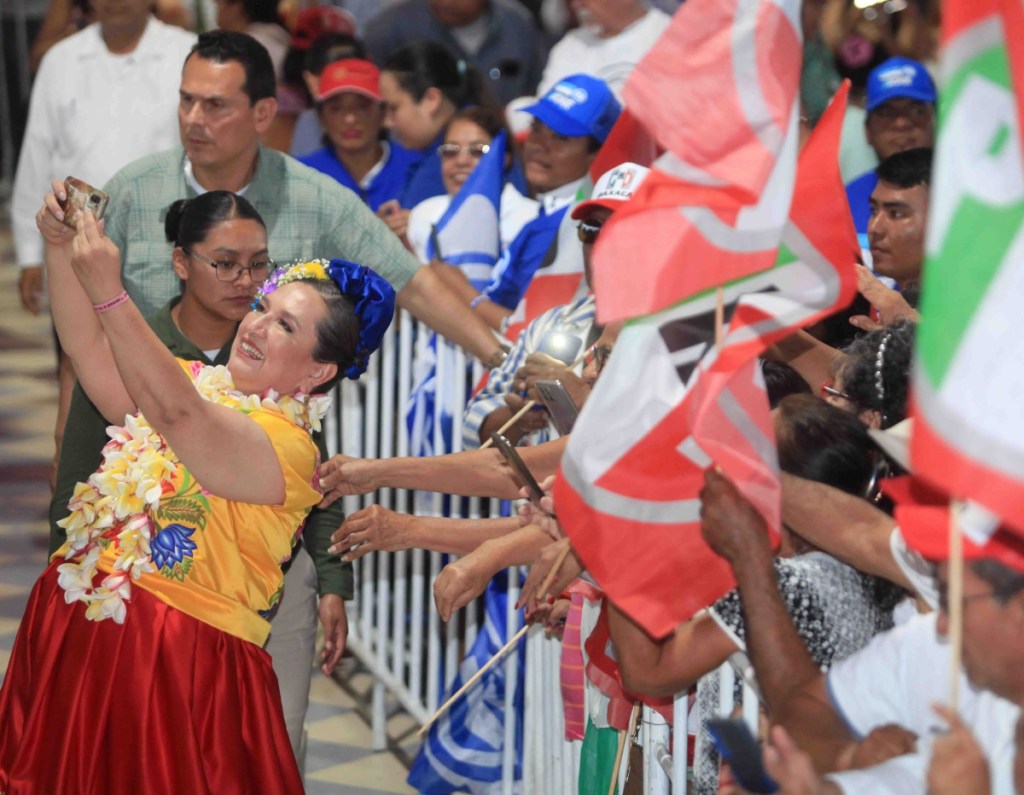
719	91
670	403
969	428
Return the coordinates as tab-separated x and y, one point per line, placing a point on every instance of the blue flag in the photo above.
468	234
463	750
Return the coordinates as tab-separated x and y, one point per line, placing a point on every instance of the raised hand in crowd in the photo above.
958	764
543	516
541	367
373	529
890	305
570	569
397	219
730	525
534	420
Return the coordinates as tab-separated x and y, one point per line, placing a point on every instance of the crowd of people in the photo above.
197	535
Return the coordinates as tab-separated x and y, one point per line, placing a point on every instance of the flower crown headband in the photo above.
372	297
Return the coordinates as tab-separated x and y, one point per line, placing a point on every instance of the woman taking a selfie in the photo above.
158	679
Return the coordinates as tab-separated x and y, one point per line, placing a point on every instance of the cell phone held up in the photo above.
559	403
526	477
741	750
82	196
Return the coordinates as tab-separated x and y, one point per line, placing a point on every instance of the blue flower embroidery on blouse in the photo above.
172	545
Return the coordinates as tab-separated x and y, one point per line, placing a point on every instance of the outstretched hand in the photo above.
459	583
343	476
373	529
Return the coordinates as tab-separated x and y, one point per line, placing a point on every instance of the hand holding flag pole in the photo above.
498	655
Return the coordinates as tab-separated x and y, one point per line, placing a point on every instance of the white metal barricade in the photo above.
397	635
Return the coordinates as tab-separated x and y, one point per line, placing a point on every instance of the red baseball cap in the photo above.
316	21
350	75
923	516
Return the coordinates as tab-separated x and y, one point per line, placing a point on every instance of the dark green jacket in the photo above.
85	435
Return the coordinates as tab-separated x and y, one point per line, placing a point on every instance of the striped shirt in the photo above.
576	318
307	213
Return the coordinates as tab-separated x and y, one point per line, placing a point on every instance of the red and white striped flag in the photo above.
969	431
670	404
720	92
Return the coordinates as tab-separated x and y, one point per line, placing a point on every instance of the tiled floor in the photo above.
339	759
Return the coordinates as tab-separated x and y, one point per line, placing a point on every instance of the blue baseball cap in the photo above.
899	78
577	106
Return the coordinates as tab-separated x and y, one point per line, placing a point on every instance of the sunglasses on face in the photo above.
476	151
587	231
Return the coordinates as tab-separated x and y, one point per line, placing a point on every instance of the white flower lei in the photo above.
118	502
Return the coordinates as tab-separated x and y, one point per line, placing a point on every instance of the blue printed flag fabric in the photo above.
463	751
468	234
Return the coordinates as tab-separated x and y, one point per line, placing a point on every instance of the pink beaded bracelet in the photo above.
117	300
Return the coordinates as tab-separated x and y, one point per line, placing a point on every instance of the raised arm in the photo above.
845	526
216	443
792	686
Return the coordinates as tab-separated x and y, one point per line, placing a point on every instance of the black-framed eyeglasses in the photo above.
228	270
587	232
476	151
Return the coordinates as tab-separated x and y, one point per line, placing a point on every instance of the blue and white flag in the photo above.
463	751
468	234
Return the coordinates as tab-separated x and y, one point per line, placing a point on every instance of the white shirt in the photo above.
93	112
895	679
516	210
582	50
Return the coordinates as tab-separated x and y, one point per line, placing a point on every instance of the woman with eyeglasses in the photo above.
142	642
467	138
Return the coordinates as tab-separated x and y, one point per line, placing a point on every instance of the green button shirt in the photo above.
307	214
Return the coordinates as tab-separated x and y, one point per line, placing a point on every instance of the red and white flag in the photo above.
720	92
670	404
969	430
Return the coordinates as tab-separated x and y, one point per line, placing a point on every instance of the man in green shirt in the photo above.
227	102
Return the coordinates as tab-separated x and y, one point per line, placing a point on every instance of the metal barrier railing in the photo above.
397	634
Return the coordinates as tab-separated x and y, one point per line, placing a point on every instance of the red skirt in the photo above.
160	704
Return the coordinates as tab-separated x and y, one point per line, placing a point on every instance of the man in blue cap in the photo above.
901	115
570	123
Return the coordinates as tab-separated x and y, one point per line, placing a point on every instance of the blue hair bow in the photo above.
374	301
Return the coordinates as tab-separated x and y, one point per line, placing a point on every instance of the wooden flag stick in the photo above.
956	605
515	418
519	414
719	315
501	652
623	737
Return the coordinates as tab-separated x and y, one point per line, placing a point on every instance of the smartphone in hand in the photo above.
741	750
559	403
81	197
516	462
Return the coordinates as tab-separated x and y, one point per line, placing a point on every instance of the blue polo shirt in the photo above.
388	183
